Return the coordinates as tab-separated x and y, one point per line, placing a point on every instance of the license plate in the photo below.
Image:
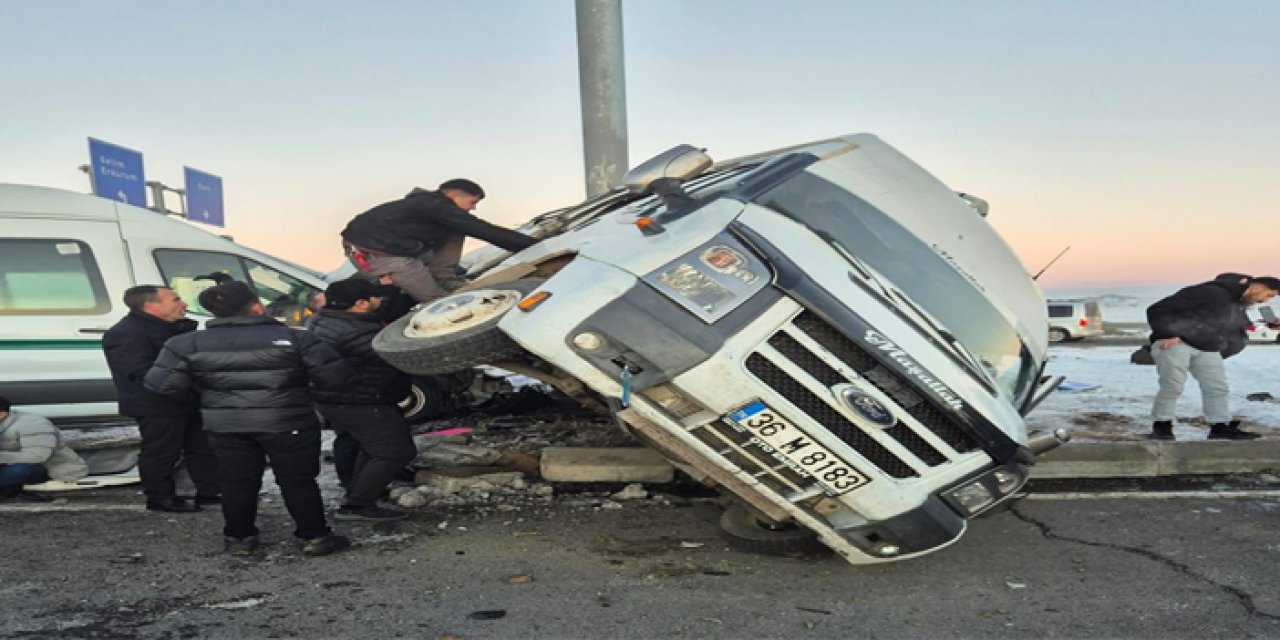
784	441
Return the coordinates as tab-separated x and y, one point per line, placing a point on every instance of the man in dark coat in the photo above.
417	240
1192	331
366	407
170	426
254	375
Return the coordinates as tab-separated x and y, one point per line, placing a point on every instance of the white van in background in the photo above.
1074	320
66	259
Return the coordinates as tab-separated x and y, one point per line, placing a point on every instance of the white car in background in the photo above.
1074	320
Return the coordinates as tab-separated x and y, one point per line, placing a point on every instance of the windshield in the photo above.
905	263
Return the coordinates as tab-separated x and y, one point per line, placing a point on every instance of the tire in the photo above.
1058	335
442	348
744	532
428	398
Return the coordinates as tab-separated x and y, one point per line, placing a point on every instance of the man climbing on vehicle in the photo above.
417	240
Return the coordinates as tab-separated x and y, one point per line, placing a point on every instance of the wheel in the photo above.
1059	335
428	398
456	332
744	532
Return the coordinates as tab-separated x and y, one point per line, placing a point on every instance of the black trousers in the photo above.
295	461
165	441
346	450
386	446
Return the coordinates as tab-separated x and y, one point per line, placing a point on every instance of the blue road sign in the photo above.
117	173
204	197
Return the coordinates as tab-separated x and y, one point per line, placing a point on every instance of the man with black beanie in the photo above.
366	407
253	376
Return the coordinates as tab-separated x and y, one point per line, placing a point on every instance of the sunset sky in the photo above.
1144	135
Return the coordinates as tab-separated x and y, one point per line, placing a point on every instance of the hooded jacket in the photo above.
27	438
351	335
253	374
131	347
422	221
1208	316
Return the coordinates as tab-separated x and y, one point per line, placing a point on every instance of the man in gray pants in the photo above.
1193	331
417	240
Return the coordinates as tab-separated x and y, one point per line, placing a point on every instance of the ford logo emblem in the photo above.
866	406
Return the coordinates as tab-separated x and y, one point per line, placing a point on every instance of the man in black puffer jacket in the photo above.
1193	331
366	407
254	375
417	240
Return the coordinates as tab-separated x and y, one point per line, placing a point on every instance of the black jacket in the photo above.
253	374
1208	316
421	221
351	335
131	347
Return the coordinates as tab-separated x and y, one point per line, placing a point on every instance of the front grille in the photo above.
819	410
814	366
887	381
810	355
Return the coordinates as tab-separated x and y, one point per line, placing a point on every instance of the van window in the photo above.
189	272
50	276
1060	311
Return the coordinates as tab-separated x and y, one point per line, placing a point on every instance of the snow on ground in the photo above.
1119	409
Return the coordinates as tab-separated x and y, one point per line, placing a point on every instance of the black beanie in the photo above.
226	300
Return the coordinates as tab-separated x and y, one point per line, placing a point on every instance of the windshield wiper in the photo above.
890	293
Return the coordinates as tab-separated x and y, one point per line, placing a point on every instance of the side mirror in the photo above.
977	203
679	163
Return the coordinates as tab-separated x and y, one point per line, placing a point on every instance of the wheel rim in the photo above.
460	312
1057	335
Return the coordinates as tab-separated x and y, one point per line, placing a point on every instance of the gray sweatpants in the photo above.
419	276
1173	365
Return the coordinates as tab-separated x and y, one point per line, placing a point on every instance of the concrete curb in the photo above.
1153	459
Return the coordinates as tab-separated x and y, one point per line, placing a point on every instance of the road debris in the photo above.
633	491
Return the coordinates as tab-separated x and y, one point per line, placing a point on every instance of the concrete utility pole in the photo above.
604	97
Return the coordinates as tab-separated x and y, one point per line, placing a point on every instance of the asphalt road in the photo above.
1071	566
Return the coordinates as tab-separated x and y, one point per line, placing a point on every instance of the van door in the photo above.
55	275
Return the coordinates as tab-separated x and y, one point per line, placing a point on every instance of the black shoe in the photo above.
326	545
1231	431
208	500
1161	430
172	505
240	547
371	512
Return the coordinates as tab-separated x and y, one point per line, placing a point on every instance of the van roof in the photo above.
30	200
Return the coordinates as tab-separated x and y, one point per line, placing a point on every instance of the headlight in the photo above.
713	279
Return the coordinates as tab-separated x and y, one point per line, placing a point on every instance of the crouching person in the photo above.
31	452
252	374
366	408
